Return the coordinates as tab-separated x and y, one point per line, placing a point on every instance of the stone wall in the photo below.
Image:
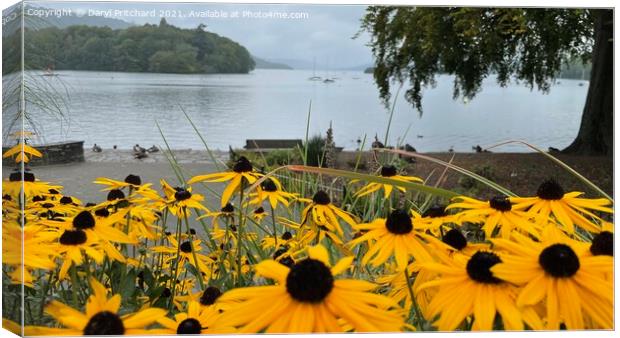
53	153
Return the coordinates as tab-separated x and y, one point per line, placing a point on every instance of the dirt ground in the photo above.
521	173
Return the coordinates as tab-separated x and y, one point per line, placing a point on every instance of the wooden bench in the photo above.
268	144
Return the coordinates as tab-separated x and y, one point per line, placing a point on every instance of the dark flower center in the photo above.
115	195
84	220
186	247
309	281
47	205
210	295
550	190
435	211
479	265
192	231
286	236
166	293
269	185
500	203
189	326
73	237
38	199
388	171
287	261
399	222
603	244
104	323
7	197
281	251
455	239
228	208
66	200
321	198
16	176
559	260
54	191
103	212
259	210
182	195
242	165
133	179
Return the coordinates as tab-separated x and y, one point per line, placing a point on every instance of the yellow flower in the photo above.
242	174
393	236
556	271
466	287
22	150
387	172
323	213
307	298
101	317
499	215
567	208
271	189
202	262
197	320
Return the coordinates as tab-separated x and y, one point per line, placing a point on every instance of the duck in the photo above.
153	149
96	148
138	149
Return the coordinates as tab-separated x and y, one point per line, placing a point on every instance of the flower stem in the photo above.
240	231
273	221
191	244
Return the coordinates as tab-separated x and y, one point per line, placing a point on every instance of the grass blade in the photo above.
561	164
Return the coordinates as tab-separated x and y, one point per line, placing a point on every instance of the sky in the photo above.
324	33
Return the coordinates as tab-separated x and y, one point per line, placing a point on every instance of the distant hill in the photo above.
149	48
295	63
264	64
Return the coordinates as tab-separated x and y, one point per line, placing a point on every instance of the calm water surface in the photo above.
111	108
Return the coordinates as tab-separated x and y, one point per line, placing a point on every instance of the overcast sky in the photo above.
326	34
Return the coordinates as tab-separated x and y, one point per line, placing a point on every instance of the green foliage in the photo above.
416	43
471	185
149	48
316	150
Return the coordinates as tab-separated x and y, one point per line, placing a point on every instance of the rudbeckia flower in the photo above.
22	150
197	320
101	317
32	187
307	298
131	181
556	271
227	212
322	212
392	236
468	287
210	297
435	219
242	174
567	208
186	254
183	200
388	172
499	214
271	189
258	214
71	243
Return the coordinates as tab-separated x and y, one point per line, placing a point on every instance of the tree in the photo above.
530	44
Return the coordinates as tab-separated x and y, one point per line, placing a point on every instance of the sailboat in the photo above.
314	77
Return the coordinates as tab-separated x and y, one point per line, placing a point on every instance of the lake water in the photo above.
111	108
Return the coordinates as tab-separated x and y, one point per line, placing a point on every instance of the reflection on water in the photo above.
121	109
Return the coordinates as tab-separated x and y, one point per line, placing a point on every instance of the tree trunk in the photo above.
596	131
